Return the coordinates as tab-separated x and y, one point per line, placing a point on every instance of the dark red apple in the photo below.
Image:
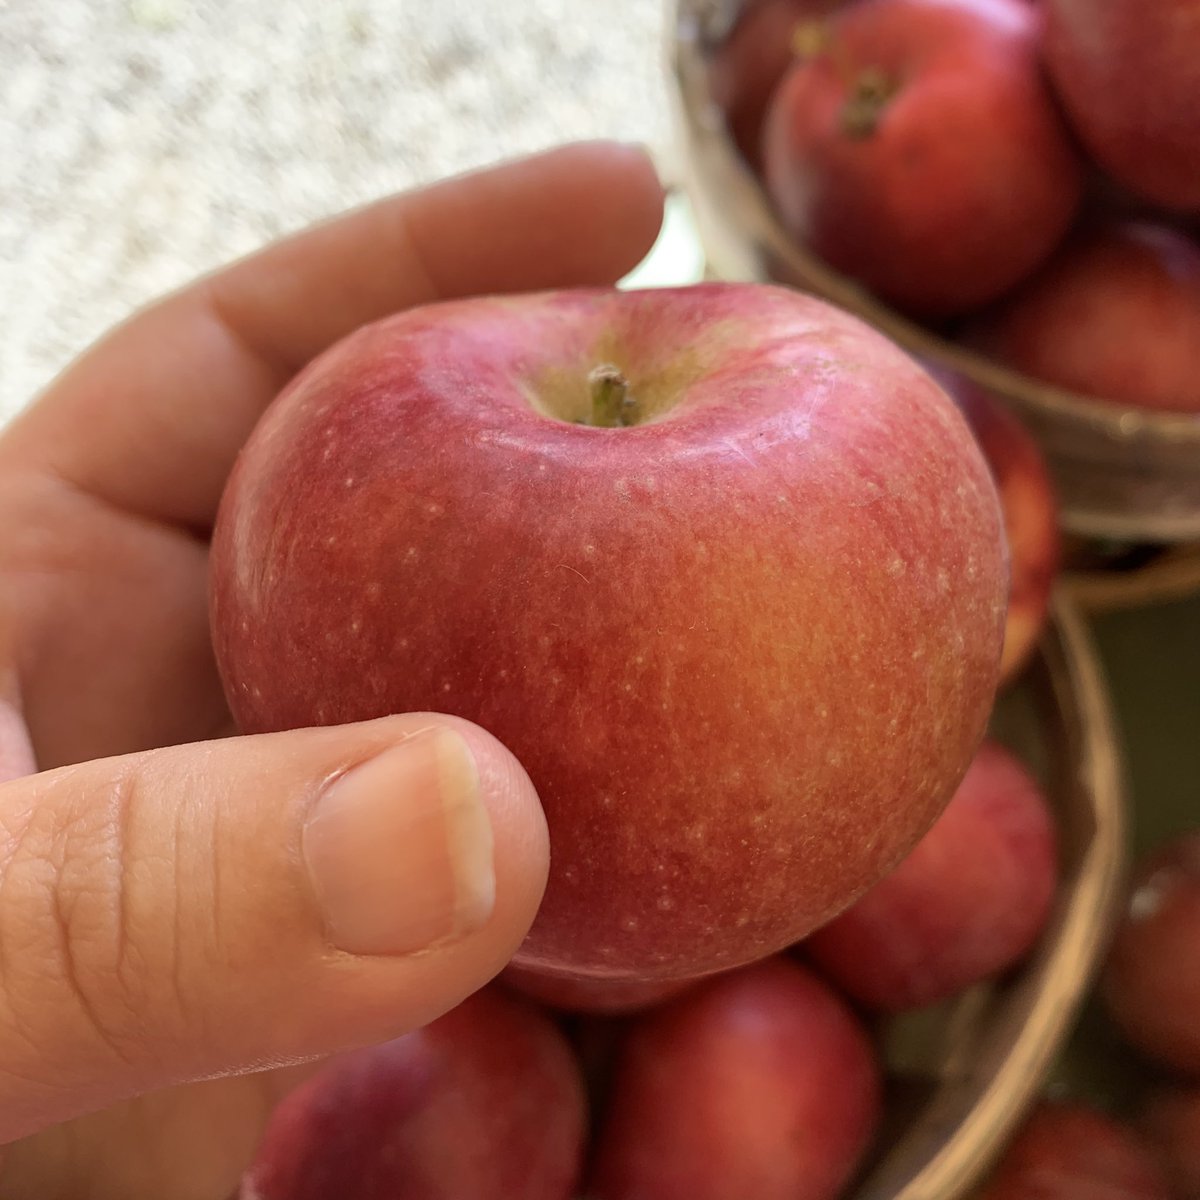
1030	514
1152	977
964	906
1171	1123
1128	72
720	565
749	64
759	1084
919	150
485	1103
612	997
1115	315
1069	1152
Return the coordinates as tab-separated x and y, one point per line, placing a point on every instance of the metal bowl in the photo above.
1122	474
962	1075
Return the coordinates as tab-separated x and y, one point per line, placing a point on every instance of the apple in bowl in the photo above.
721	565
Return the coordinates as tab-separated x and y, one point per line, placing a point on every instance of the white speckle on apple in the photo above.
943	580
327	453
403	643
245	625
411	554
606	801
348	482
833	758
356	625
629	924
823	713
434	510
446	686
628	687
570	875
896	566
331	540
374	590
743	920
503	673
589	549
621	487
258	693
665	903
695	833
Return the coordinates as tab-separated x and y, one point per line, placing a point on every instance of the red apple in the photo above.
760	1084
1128	72
749	64
1030	514
612	997
1152	978
965	905
720	565
1115	315
486	1102
920	151
1172	1125
1068	1152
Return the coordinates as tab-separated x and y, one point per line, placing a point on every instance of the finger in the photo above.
213	908
151	418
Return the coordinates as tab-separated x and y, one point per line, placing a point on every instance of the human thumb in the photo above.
226	906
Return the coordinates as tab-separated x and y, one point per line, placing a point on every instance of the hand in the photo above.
171	902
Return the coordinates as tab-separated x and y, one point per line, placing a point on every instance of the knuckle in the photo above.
70	969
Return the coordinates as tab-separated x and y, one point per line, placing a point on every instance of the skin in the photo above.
108	490
724	641
919	151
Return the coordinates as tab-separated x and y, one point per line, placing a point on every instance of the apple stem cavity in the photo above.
869	95
612	405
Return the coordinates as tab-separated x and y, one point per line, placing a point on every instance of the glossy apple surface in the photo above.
1128	72
966	904
603	997
760	1084
486	1103
745	642
1030	515
1115	315
1069	1152
919	150
1152	977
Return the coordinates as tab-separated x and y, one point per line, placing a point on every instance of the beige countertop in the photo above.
145	141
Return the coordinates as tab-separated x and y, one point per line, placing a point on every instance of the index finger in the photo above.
151	418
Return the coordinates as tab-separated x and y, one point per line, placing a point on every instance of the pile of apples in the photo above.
1019	175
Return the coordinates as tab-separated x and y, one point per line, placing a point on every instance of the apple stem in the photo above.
869	96
612	405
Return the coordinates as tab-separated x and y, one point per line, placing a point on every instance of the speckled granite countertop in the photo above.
144	141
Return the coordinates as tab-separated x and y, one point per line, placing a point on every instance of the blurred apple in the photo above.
720	565
1116	315
1030	514
919	150
1152	977
758	1084
1068	1152
485	1103
1172	1125
1128	72
964	906
749	64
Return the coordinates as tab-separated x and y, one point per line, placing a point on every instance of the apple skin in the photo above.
485	1103
951	190
1128	73
1069	1152
966	904
1151	980
1030	505
759	1084
601	997
1171	1123
1115	315
745	648
749	64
